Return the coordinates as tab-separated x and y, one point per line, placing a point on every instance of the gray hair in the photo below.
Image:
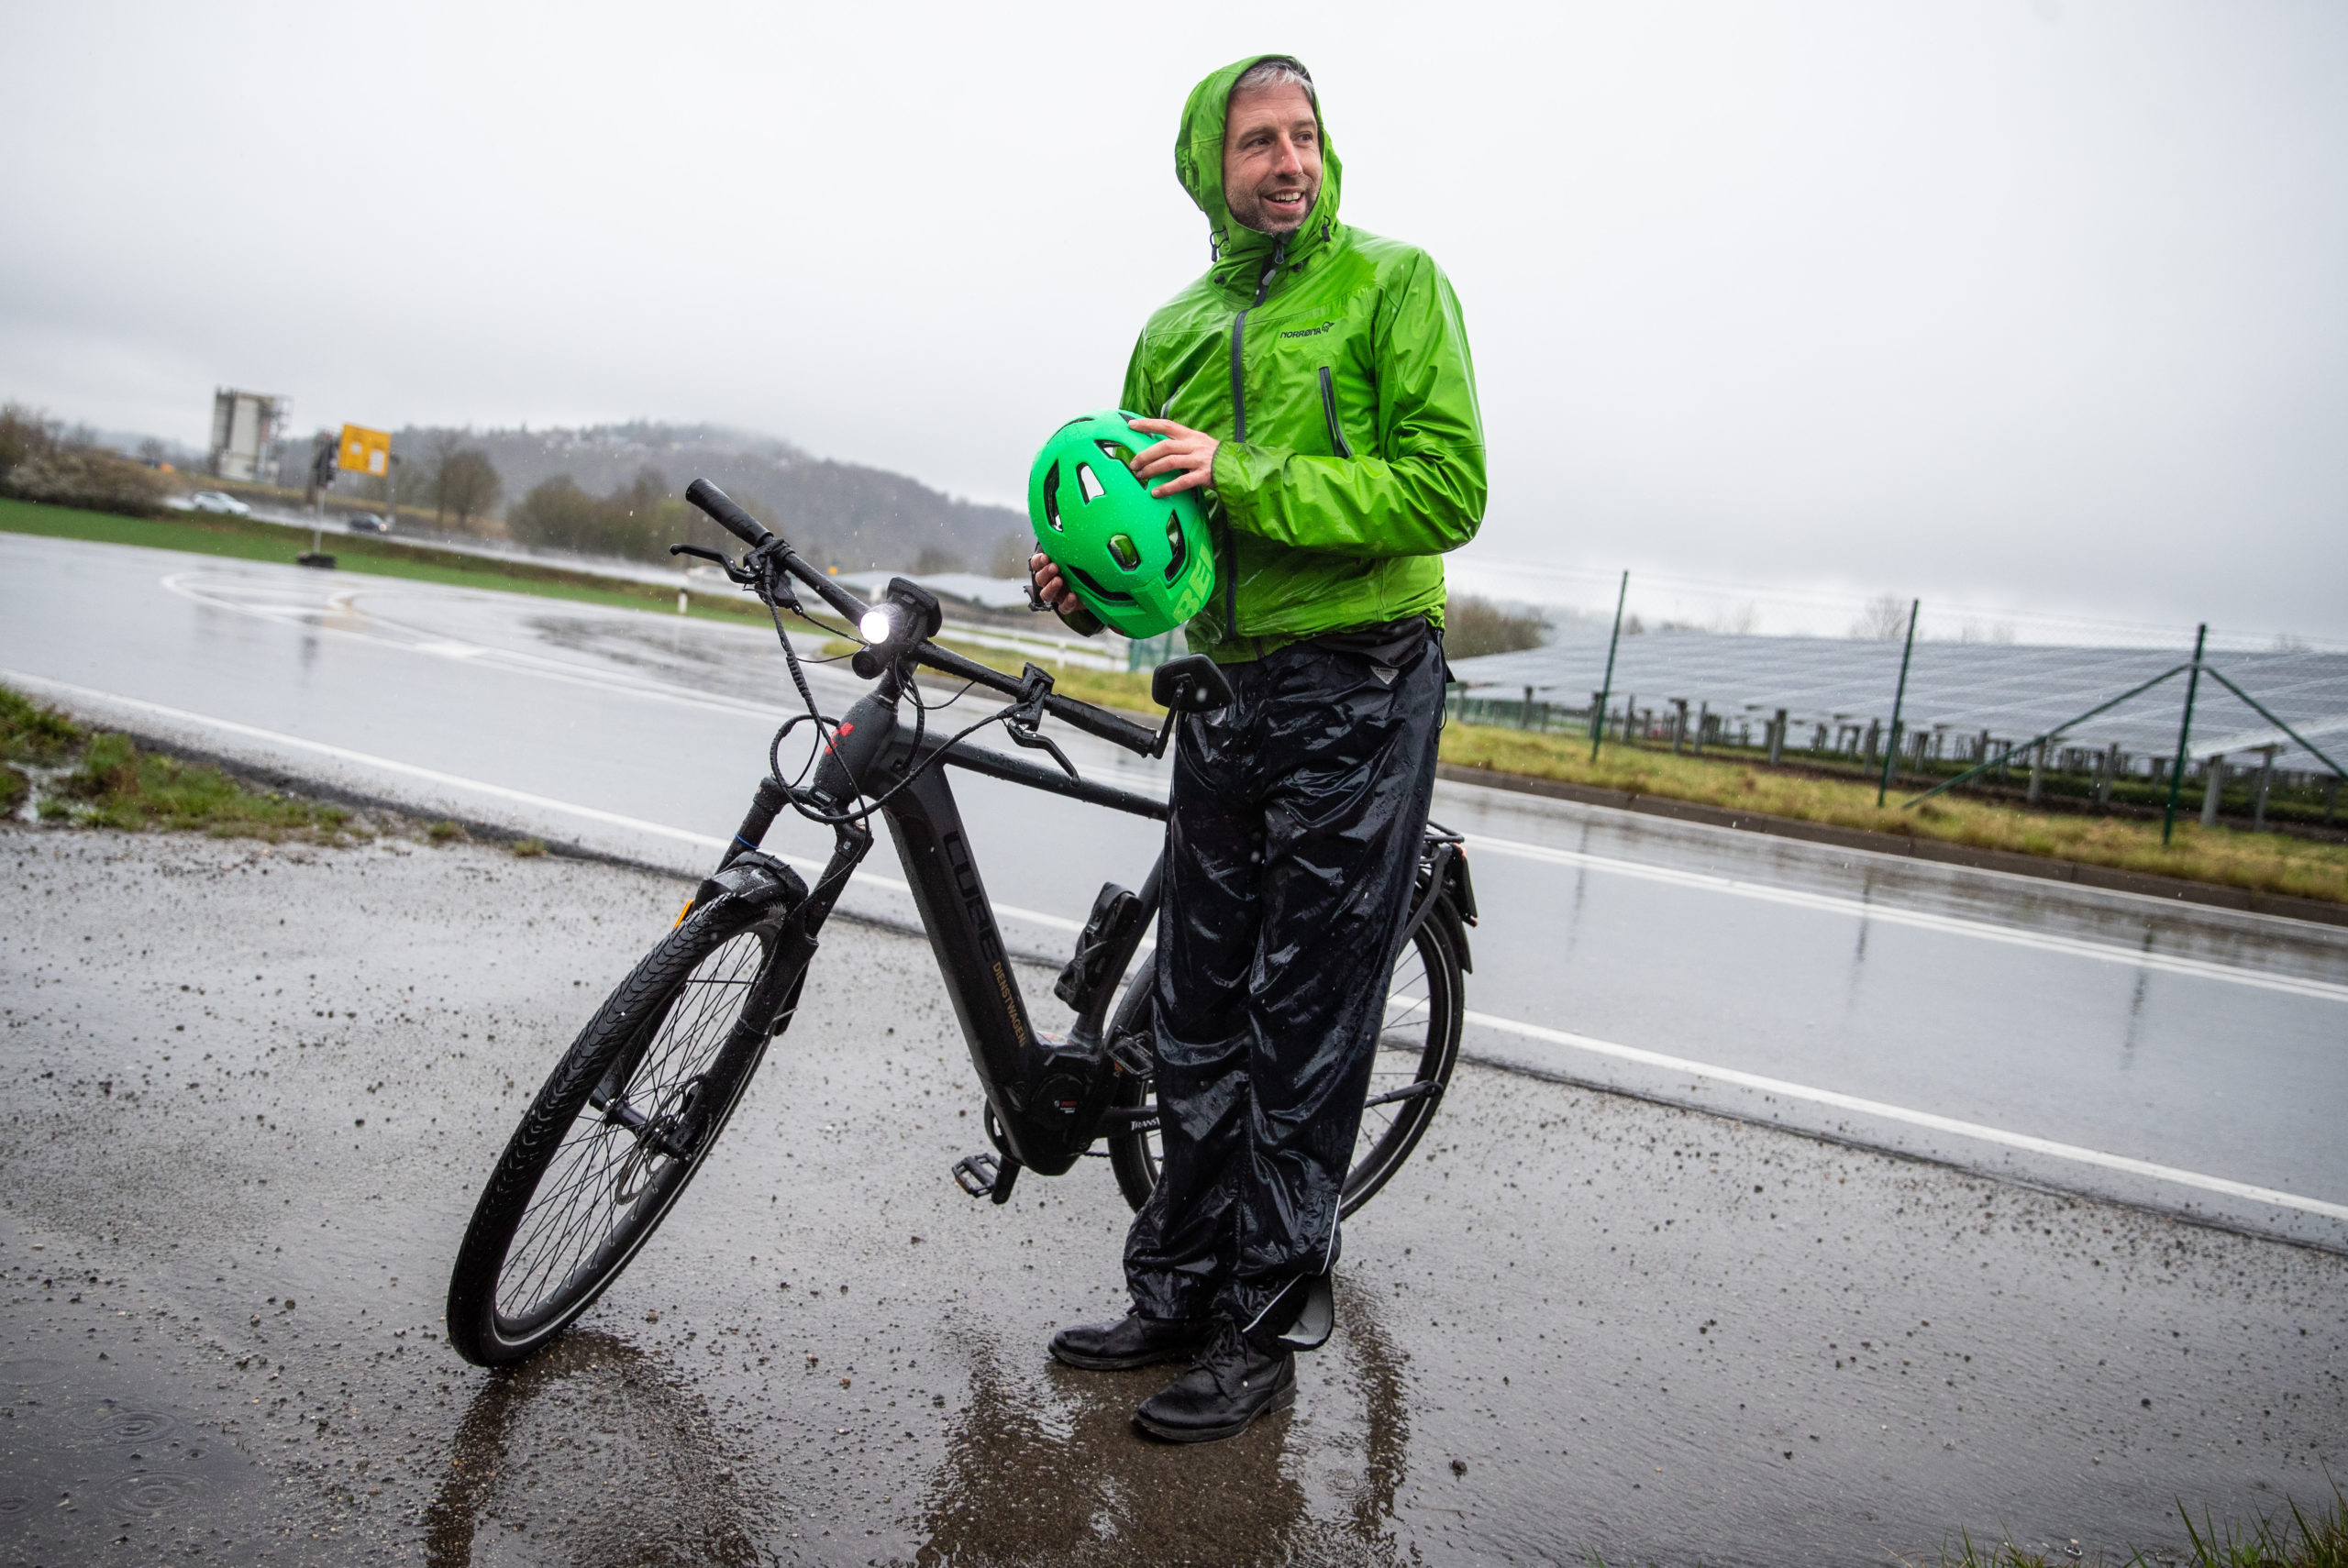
1276	71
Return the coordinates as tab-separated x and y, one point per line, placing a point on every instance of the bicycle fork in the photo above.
798	914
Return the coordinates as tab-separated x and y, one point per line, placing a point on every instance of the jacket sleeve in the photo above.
1138	395
1426	494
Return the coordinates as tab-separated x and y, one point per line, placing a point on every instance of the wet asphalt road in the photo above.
2187	1059
252	1095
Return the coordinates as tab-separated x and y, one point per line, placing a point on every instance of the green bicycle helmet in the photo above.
1143	564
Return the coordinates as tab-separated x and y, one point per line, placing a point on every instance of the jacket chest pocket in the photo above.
1329	415
1309	390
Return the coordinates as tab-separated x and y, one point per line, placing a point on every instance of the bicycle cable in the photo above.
825	729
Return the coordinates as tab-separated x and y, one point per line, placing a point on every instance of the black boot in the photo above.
1229	1386
1133	1341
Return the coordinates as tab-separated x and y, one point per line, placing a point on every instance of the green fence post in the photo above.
2184	735
1606	686
1899	698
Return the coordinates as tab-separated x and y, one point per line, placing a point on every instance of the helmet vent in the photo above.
1116	449
1175	546
1087	580
1087	486
1052	499
1121	546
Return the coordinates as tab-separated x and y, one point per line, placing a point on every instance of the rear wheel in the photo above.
1417	1045
607	1148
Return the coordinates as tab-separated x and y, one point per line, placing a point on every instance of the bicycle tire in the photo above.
530	1264
1423	1035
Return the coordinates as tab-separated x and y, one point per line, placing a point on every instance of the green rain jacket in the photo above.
1333	366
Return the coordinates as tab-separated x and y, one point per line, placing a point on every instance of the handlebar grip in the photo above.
1097	722
728	516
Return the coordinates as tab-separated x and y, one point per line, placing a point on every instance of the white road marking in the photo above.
480	787
1974	1130
192	587
2022	1141
1946	925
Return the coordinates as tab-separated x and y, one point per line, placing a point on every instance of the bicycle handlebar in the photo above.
1084	716
728	516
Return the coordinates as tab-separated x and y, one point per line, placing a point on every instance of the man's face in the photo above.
1271	157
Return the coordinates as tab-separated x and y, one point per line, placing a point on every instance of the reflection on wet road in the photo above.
1043	1465
600	1405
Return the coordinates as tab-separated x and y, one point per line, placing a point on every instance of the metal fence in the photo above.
2092	711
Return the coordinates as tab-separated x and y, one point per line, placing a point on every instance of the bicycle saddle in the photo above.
1191	684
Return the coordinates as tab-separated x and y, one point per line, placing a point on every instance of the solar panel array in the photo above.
2013	691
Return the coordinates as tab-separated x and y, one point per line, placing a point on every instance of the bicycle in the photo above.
633	1107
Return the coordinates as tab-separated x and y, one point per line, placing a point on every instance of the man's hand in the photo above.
1049	587
1186	454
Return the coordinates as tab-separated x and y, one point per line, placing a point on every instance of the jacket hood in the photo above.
1198	163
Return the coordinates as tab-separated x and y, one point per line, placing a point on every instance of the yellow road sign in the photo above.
365	452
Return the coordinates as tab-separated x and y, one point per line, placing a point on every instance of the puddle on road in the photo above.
90	1472
1046	1467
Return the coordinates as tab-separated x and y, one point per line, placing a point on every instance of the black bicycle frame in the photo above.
1046	1097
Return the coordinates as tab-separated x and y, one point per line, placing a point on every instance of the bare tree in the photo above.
1472	627
25	432
1009	557
436	458
1885	620
464	483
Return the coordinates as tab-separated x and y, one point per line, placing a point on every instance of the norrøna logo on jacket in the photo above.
1335	371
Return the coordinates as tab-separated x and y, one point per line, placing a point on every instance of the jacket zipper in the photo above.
1239	424
1329	409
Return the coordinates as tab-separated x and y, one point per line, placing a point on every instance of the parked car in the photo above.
218	501
367	522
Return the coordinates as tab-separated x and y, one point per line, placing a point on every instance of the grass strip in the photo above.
2301	1541
96	779
2261	862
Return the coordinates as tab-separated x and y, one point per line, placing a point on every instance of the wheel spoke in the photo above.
601	1174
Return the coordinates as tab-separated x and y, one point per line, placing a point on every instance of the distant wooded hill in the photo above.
842	515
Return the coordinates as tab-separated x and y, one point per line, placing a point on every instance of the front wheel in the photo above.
626	1119
1417	1045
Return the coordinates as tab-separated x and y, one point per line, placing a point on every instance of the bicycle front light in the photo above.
907	615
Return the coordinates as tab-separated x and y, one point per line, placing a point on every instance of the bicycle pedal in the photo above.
984	1175
1134	1053
975	1174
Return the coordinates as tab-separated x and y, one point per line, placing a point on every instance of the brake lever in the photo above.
1024	722
1034	741
735	573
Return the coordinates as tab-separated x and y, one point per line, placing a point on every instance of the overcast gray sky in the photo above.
2037	303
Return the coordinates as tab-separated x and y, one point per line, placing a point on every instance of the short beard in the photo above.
1260	212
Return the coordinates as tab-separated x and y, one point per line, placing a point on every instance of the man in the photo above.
1316	384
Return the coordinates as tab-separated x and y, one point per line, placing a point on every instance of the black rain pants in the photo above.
1292	842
